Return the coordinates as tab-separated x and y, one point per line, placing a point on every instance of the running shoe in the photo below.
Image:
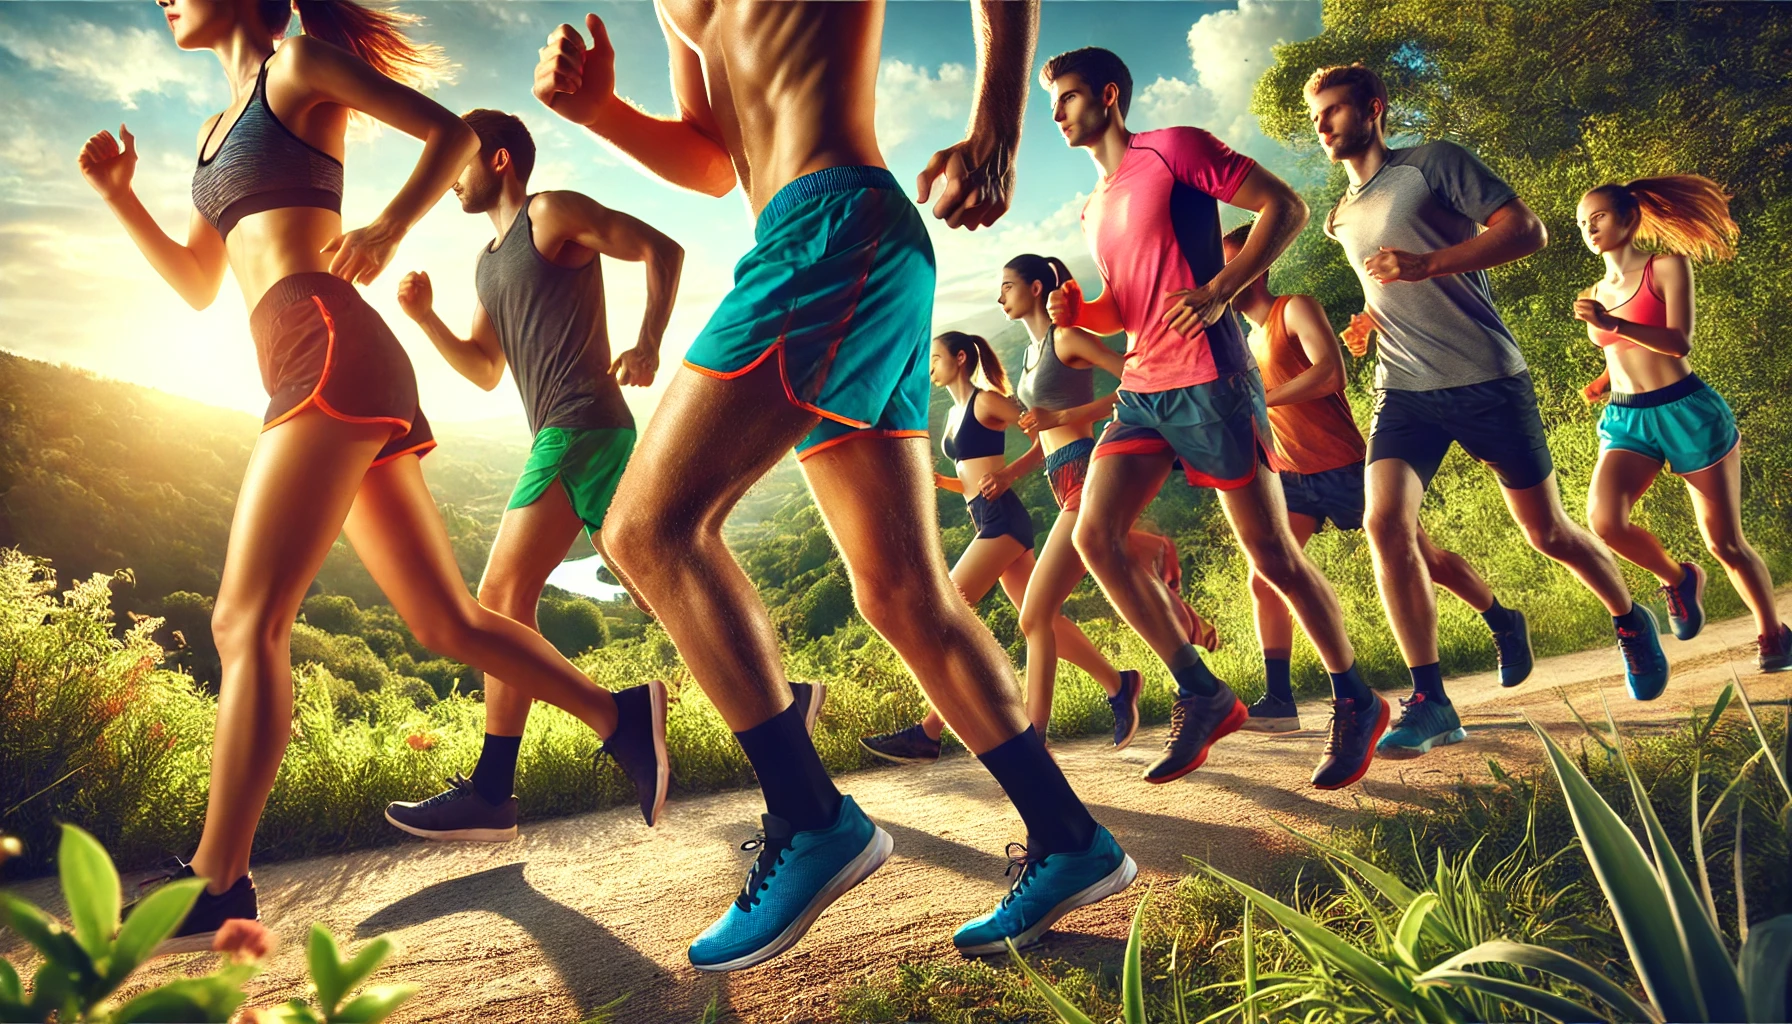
639	745
1351	746
1512	646
1686	602
1125	705
458	812
1271	715
1423	724
1776	651
794	878
1645	667
1196	724
1048	888
208	913
904	746
809	697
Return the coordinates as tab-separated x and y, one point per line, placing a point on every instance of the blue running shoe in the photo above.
1686	602
1645	667
1775	652
910	745
796	876
1126	707
1423	724
1512	646
1047	888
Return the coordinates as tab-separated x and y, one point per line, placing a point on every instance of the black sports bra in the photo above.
261	165
969	438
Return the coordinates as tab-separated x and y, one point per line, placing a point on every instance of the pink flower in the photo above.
243	939
420	741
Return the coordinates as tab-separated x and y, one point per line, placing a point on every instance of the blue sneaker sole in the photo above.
856	870
1442	739
1115	881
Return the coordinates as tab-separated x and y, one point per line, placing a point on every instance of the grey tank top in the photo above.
550	323
1046	383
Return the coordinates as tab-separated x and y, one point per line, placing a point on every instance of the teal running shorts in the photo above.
1686	425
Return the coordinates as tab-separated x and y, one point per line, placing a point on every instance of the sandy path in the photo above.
582	910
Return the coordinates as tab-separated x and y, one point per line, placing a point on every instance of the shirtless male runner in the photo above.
822	346
1303	379
1189	394
1421	227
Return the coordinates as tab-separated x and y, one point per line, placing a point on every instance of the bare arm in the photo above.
979	171
1305	319
195	270
1512	233
1080	349
948	483
612	233
1035	420
1281	214
1099	316
578	82
1674	275
478	357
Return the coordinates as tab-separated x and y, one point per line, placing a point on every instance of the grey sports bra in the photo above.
1046	383
261	165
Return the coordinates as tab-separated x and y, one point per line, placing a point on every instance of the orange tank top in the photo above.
1315	435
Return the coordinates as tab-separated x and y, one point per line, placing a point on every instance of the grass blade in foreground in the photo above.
1066	1012
1516	992
1132	981
1549	961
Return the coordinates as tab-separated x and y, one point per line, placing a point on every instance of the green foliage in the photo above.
572	624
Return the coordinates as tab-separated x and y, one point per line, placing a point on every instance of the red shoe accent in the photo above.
1228	725
1381	726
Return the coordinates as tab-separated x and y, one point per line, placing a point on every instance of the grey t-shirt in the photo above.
1442	332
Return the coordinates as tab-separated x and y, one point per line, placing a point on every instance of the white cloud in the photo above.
109	63
909	99
970	262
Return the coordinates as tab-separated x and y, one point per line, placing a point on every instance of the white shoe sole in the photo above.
662	779
200	942
856	870
818	695
1442	739
1116	881
893	759
471	835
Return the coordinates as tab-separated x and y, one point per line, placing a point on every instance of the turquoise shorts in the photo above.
1686	425
588	463
838	288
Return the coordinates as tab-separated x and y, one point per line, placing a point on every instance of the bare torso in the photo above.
791	85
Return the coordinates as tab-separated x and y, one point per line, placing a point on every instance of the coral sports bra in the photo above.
262	165
1644	306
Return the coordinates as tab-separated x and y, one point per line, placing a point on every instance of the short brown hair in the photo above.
498	130
1364	85
1098	67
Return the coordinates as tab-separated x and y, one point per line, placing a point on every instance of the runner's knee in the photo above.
1101	547
248	628
1390	529
1729	548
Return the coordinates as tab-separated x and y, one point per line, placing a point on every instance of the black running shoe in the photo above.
809	698
639	744
1125	705
1196	724
200	926
1512	646
1775	651
458	812
1272	715
1686	602
1351	745
904	746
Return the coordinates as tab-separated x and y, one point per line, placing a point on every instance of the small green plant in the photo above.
83	968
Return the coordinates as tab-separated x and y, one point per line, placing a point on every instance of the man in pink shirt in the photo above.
1190	394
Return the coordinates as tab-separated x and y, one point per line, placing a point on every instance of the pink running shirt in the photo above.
1155	228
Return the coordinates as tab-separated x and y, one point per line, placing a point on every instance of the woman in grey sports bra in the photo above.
339	446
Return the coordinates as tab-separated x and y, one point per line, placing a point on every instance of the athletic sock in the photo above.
1193	679
1429	680
1349	683
1498	618
1631	620
1276	676
494	777
1057	822
796	786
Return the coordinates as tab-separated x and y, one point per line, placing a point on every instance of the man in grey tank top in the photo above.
1421	227
541	314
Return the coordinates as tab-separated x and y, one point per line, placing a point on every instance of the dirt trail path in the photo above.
582	910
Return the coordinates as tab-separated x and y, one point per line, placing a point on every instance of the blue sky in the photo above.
73	289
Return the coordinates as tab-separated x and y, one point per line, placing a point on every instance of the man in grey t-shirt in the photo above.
1421	227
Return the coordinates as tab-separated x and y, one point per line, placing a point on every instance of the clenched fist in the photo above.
107	166
415	295
1358	333
575	80
1065	305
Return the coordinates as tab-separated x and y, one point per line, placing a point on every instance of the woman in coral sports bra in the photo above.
340	443
1660	413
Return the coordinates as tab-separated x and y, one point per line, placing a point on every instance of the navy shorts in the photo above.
1335	495
1495	422
1003	517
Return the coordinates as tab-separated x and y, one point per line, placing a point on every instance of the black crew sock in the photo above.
1498	618
494	777
1349	683
1631	620
796	786
1057	822
1429	680
1193	678
1276	677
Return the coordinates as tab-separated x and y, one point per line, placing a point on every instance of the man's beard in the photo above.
480	196
1352	144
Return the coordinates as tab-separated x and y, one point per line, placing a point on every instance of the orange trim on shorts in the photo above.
316	397
832	441
784	379
1136	446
